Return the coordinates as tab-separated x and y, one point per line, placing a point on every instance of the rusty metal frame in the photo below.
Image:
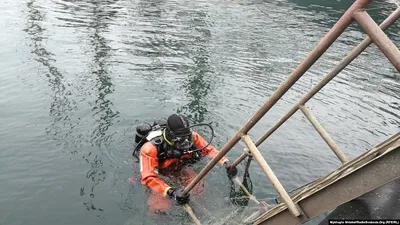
379	37
311	58
309	207
294	209
313	120
381	166
328	77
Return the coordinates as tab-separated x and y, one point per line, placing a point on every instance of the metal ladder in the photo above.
375	34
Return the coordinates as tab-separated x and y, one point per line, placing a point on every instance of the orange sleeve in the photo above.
148	164
211	151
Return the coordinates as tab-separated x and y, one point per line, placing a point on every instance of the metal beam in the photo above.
328	77
241	158
189	210
363	174
271	175
311	58
251	197
379	37
320	129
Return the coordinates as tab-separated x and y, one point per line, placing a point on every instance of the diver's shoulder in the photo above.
149	149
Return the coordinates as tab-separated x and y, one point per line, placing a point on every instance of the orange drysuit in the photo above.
149	163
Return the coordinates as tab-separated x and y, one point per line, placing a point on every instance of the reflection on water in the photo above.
102	107
96	174
161	44
200	76
99	16
62	106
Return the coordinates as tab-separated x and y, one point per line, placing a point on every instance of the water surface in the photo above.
78	76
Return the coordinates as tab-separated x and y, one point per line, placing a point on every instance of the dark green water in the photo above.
77	76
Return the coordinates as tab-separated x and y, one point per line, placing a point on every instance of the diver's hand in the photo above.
177	194
232	171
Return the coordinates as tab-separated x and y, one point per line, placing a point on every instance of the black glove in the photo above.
177	194
232	171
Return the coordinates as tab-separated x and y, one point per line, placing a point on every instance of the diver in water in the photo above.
167	148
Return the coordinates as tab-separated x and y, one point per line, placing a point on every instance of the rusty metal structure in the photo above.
344	183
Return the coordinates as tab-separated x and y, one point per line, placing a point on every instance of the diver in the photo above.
167	147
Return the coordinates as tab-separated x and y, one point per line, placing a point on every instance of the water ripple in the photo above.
78	76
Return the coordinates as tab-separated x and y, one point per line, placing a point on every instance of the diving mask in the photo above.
183	143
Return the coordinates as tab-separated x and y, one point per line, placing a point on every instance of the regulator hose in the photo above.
212	137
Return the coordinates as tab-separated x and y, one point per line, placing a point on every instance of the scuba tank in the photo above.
142	130
146	132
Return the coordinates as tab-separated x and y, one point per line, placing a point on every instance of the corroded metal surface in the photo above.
379	37
328	77
311	58
370	170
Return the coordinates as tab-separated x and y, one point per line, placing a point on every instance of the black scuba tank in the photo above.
142	130
159	123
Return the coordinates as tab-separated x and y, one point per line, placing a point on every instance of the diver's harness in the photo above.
156	135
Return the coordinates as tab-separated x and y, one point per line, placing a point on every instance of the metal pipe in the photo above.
328	77
271	176
240	183
375	167
191	213
307	112
311	58
240	158
245	190
379	37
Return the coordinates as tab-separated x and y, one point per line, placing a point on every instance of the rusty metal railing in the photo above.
355	13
